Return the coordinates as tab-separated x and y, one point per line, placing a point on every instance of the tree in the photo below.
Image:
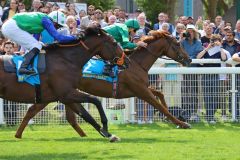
153	7
216	7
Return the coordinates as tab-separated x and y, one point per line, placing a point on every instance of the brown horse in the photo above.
63	64
132	82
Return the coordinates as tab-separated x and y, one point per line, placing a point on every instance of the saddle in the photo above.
9	65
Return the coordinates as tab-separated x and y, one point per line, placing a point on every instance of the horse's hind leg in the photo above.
32	111
159	95
71	118
79	97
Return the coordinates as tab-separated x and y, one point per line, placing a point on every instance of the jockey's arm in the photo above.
48	25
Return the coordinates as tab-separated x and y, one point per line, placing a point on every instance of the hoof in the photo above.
185	125
17	136
83	135
114	138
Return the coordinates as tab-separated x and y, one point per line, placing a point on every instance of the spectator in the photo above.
165	27
9	108
98	16
91	10
143	30
21	7
183	20
36	5
178	32
233	47
72	9
192	46
237	30
161	20
8	48
137	12
171	27
211	82
11	11
112	19
230	44
190	20
72	25
205	40
219	24
82	13
116	12
205	24
122	16
55	6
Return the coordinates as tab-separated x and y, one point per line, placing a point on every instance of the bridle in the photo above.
180	58
120	61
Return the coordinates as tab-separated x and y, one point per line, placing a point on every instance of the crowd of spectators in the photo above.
197	36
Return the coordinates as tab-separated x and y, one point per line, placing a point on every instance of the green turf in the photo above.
157	141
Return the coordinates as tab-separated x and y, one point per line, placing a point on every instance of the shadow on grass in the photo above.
63	156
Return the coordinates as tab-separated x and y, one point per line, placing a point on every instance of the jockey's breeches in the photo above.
11	31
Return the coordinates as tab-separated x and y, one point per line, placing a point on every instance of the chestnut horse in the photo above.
133	81
63	64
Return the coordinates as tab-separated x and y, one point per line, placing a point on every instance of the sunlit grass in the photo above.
150	142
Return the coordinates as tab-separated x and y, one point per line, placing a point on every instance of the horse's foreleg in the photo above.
71	118
32	111
148	96
159	95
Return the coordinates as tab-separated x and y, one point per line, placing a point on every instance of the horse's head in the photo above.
103	45
172	47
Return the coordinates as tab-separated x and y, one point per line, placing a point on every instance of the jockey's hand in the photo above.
81	35
141	44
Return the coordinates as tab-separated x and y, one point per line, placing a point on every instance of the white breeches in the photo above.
11	31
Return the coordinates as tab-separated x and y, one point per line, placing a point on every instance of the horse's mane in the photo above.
154	35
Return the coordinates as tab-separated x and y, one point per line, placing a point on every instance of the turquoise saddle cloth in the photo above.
94	69
33	79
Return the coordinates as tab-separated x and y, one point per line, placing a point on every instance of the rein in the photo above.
72	45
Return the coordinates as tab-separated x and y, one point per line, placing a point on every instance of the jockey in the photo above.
21	27
121	32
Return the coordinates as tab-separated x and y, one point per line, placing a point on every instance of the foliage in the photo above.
154	7
102	4
216	7
155	141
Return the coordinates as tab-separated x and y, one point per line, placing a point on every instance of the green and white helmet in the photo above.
58	17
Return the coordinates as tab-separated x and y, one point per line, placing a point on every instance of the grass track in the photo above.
157	141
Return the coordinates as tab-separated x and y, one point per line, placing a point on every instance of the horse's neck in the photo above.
144	58
70	55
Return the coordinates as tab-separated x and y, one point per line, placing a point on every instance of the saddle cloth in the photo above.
94	69
13	63
10	66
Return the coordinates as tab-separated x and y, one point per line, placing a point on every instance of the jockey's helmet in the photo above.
58	17
132	23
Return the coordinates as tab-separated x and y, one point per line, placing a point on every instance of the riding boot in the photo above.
28	57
